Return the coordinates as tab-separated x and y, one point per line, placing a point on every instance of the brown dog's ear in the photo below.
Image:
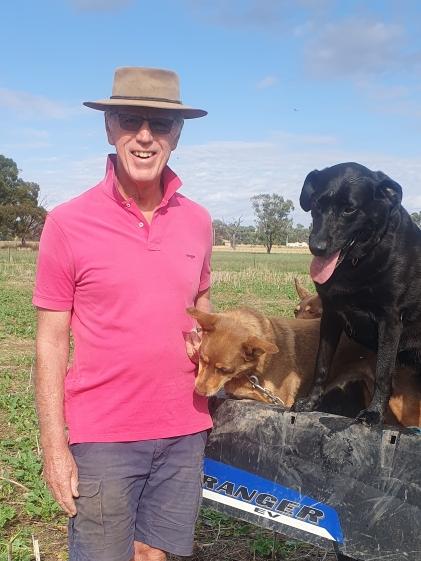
301	291
255	347
206	321
308	190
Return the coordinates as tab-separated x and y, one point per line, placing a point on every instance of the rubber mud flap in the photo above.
318	478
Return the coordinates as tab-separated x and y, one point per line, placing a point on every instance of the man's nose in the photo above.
144	134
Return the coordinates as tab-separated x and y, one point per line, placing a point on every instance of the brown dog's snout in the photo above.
208	382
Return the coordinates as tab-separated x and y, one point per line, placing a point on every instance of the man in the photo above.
122	430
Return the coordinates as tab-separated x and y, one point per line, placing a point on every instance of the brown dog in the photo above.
280	352
310	305
405	403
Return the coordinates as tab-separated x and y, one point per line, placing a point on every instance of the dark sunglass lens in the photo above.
133	123
130	122
162	126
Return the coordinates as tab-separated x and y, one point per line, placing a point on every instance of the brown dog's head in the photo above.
310	306
228	349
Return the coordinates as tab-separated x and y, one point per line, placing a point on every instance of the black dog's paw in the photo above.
303	405
369	417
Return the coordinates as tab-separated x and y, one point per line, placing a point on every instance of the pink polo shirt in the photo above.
127	284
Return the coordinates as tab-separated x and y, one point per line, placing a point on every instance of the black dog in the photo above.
367	271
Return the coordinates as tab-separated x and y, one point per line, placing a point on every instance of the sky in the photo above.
289	87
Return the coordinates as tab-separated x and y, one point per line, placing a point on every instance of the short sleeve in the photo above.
55	279
205	276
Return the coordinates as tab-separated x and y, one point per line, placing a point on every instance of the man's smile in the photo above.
143	155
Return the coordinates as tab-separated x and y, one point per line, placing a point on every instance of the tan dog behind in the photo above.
310	305
405	403
280	352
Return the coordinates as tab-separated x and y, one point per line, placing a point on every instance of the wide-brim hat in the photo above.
146	87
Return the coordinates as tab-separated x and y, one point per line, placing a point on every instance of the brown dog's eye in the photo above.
223	369
349	210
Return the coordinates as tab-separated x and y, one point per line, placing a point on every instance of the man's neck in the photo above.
147	196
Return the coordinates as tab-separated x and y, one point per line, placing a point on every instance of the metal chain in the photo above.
254	381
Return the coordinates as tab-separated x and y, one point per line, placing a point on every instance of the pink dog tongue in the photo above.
321	268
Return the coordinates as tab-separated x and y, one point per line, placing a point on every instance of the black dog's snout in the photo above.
318	247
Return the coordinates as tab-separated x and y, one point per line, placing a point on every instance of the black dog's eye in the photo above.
349	210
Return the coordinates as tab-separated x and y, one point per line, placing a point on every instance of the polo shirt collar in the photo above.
170	180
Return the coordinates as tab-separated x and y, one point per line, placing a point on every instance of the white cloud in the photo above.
28	105
392	99
100	5
264	15
267	82
24	138
357	47
223	176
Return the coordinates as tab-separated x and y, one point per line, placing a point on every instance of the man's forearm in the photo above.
49	392
52	358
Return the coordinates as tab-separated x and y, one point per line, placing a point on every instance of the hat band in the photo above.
145	98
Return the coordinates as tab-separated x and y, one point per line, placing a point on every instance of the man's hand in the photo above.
193	340
60	473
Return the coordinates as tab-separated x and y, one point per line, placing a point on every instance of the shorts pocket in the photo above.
88	527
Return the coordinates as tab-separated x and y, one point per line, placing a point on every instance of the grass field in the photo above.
26	509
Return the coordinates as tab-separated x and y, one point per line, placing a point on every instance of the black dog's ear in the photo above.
308	190
389	189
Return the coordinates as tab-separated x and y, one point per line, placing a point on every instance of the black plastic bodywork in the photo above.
371	478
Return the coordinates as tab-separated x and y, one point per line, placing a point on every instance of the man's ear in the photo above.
176	138
206	320
386	188
308	190
255	347
108	129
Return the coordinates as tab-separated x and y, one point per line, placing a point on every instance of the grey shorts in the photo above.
146	491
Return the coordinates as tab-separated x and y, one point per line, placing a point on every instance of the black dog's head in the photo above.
350	206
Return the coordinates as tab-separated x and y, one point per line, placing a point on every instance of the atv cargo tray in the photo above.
317	478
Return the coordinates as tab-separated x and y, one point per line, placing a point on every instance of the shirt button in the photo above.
128	205
141	224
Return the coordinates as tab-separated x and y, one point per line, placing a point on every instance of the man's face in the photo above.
143	146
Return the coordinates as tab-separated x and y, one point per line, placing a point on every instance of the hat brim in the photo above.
107	104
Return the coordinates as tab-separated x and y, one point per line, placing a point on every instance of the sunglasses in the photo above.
132	123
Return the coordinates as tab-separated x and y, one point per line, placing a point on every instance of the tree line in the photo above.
22	215
273	225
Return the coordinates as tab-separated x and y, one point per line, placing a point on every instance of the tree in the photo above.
233	229
298	233
247	235
220	233
416	217
21	215
272	218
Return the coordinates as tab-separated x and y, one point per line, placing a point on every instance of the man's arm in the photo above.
52	353
203	301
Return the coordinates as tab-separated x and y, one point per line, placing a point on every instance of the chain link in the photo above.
254	381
